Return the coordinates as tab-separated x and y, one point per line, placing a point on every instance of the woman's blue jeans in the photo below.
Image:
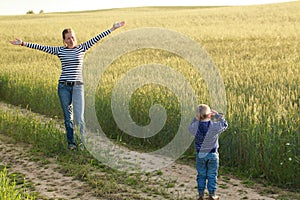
72	101
207	165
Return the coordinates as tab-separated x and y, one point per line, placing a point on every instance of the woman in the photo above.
70	86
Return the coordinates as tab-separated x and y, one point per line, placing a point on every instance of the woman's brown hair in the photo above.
65	31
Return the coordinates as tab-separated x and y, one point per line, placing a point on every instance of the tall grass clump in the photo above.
44	136
10	190
255	48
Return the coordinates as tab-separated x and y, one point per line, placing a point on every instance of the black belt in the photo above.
214	150
71	83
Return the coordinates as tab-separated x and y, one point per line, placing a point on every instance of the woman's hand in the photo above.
17	42
117	25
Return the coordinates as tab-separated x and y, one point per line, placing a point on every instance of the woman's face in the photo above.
70	40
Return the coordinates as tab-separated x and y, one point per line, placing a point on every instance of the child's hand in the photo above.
213	112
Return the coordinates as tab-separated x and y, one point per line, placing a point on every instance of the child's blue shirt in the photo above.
207	133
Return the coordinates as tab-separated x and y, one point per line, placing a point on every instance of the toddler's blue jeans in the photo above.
207	165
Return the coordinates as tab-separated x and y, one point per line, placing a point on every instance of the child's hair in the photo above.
203	111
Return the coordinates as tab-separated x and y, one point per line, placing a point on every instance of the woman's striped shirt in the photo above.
71	59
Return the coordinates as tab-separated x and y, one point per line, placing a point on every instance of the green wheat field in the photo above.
255	48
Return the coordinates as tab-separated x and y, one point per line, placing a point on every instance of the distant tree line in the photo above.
29	12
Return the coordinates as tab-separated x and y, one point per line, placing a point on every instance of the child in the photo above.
206	132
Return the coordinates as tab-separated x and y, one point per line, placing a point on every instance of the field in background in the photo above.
256	49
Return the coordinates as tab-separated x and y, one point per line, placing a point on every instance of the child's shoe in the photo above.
213	197
201	198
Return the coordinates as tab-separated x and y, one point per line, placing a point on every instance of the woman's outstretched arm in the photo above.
47	49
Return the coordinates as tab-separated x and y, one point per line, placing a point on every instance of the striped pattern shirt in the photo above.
207	133
71	59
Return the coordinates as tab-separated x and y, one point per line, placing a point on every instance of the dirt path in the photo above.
51	184
47	181
229	188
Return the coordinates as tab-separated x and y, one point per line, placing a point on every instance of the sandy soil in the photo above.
51	184
47	181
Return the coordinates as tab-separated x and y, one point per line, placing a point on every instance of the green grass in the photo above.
50	143
13	186
255	48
